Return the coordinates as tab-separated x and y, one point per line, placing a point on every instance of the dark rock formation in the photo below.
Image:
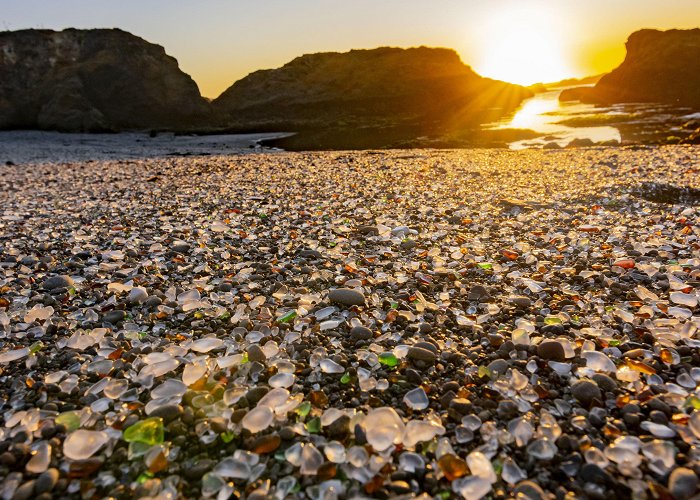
89	80
660	66
401	91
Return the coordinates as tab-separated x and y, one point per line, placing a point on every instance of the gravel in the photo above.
251	325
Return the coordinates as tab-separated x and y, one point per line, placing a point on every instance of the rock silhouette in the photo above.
660	66
93	80
426	87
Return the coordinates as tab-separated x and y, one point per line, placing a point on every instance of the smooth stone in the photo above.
153	301
585	391
346	297
25	491
683	483
551	350
181	248
421	354
461	405
427	345
310	254
520	301
114	317
604	382
255	353
361	333
591	473
46	481
255	394
425	328
507	409
55	282
374	230
478	292
199	468
168	412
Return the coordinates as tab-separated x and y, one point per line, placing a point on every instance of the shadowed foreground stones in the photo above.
114	317
551	350
585	391
683	483
255	353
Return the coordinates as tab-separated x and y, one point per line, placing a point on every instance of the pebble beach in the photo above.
386	324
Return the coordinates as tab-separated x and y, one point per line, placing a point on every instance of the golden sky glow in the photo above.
523	44
219	41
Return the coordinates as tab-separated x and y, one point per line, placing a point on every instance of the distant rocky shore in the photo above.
661	66
93	80
422	89
108	80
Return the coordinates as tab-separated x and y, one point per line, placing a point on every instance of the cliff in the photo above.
419	87
660	66
88	80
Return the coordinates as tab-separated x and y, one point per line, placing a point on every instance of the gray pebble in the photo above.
551	350
346	297
361	333
114	317
46	481
683	483
605	382
255	353
181	248
421	354
520	301
585	391
25	491
478	292
55	282
168	412
153	301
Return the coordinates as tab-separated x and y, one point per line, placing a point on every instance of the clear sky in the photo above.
219	41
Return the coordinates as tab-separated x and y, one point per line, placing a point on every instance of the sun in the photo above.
523	43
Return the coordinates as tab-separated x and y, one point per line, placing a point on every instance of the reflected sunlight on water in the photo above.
542	114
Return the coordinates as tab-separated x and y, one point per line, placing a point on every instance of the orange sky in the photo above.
220	41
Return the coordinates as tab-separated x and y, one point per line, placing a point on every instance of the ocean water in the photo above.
31	146
562	122
543	114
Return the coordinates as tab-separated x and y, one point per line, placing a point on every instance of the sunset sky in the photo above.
220	41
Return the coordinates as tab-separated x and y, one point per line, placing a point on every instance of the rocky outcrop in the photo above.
89	80
421	88
660	66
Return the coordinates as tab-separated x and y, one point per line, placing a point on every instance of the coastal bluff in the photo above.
423	87
93	80
660	66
